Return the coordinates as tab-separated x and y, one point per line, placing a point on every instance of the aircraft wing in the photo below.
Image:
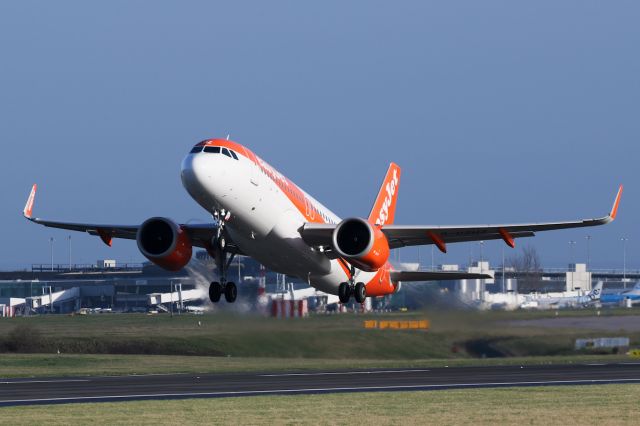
200	234
408	235
434	276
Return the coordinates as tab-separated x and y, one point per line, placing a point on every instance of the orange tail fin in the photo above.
384	208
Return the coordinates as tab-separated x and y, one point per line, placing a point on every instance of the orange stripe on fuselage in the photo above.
304	205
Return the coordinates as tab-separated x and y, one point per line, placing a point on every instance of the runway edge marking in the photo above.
227	394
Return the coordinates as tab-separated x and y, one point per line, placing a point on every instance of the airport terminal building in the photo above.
108	285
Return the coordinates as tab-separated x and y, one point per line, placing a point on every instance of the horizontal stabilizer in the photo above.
407	276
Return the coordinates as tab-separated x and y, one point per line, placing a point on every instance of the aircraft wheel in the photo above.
215	291
360	293
344	292
230	292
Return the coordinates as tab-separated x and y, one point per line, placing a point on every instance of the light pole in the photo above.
433	267
572	261
624	260
588	237
171	296
483	282
51	251
504	284
69	252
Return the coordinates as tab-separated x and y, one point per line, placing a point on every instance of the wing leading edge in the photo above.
409	235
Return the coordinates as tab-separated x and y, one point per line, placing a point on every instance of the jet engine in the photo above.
164	243
361	243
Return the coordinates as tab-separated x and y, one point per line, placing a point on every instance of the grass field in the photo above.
601	405
453	334
117	343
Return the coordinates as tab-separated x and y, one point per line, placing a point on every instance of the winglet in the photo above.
28	208
614	209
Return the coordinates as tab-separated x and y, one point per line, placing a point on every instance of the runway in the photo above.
180	386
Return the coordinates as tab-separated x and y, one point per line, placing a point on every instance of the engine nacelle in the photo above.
164	243
363	244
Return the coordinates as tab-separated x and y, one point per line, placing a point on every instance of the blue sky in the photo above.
496	112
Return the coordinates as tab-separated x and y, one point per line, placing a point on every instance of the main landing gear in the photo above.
346	289
228	288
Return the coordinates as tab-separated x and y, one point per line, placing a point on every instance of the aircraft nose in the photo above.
197	174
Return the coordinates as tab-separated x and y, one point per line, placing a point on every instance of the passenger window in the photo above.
196	149
212	149
233	154
226	152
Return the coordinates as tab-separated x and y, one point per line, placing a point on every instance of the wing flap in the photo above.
416	236
407	276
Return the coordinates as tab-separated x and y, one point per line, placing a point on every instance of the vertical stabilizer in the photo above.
596	292
384	208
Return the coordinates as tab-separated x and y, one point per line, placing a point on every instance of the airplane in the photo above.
196	310
618	298
588	299
260	213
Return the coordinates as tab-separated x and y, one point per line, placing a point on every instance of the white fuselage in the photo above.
266	212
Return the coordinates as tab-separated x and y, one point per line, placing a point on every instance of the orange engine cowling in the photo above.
164	243
362	244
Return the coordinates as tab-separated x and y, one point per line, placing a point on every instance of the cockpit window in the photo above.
216	150
196	149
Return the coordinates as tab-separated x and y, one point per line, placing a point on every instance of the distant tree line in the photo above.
529	268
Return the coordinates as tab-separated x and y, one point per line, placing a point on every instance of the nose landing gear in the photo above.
230	292
229	289
215	291
220	252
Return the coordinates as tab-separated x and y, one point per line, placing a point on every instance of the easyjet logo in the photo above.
390	188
